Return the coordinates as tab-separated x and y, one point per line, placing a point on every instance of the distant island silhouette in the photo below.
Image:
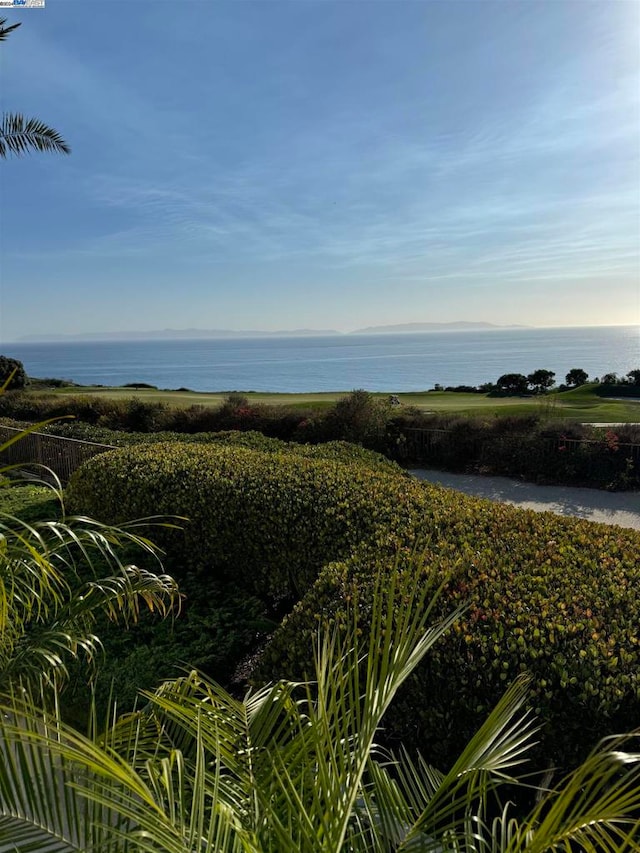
207	334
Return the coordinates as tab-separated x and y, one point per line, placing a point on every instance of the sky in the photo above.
328	165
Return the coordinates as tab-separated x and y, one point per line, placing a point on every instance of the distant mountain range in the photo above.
459	326
179	335
204	334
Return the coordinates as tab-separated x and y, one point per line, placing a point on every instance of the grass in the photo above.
580	404
28	502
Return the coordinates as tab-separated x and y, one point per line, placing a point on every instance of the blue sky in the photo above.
322	165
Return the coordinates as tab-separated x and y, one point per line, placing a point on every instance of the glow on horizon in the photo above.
323	165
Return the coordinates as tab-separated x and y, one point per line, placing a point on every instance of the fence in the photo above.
40	454
603	462
571	458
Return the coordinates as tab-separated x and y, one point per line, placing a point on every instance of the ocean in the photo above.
391	362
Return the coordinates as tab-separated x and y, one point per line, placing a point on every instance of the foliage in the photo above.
18	134
526	447
555	597
261	525
541	380
619	389
296	767
29	502
267	520
610	379
214	632
339	451
140	415
359	417
271	522
512	383
53	587
12	374
250	530
576	377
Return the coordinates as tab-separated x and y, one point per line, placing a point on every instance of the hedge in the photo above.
139	415
339	451
556	597
261	520
268	520
525	447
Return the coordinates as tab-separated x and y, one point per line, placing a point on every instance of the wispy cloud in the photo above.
394	185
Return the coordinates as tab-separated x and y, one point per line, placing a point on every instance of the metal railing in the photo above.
422	442
603	459
39	454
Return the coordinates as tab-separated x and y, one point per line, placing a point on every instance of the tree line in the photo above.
541	381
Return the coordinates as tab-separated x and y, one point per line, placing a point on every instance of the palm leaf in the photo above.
4	31
18	135
295	767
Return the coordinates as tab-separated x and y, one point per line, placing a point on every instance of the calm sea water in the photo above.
407	362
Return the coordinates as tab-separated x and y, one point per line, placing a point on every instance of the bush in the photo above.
556	597
32	407
134	414
267	520
264	517
338	451
214	631
9	366
618	390
360	418
521	446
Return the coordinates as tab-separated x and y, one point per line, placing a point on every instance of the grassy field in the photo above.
579	404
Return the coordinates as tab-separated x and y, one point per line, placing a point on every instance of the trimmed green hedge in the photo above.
268	520
261	521
556	597
339	451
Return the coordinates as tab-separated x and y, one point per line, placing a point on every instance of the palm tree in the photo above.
18	134
295	767
56	578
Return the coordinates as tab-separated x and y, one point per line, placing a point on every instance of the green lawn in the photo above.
579	404
28	502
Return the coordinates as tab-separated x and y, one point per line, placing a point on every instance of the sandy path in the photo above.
621	508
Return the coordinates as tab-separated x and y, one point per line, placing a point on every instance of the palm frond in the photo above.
4	31
53	587
294	767
597	807
39	808
47	604
19	135
410	802
343	713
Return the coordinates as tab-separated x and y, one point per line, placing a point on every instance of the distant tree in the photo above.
7	367
576	377
18	134
513	383
633	377
610	379
541	380
359	417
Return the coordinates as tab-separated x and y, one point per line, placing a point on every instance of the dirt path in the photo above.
621	508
